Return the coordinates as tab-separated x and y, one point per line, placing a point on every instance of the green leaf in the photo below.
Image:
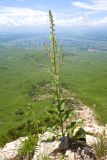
72	125
80	134
62	105
52	111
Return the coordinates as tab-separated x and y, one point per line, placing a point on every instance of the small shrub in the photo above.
75	131
28	147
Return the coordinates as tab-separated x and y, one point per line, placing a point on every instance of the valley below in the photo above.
23	63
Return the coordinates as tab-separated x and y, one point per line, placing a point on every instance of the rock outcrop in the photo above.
10	150
45	147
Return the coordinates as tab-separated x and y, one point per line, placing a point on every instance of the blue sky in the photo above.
67	13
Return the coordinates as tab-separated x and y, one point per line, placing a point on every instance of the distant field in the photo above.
85	73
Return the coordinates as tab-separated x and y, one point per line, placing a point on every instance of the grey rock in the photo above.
10	150
90	140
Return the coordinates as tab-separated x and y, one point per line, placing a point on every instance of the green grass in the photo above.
15	81
85	74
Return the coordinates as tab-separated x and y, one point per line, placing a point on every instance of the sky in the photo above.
67	13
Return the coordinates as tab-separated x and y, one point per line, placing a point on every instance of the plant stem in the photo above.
55	61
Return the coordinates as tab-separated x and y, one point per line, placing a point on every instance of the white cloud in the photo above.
11	16
82	21
97	5
70	21
99	22
22	16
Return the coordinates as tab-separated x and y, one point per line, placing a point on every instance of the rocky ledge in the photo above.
75	151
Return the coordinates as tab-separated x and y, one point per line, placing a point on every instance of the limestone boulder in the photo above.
90	140
10	150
